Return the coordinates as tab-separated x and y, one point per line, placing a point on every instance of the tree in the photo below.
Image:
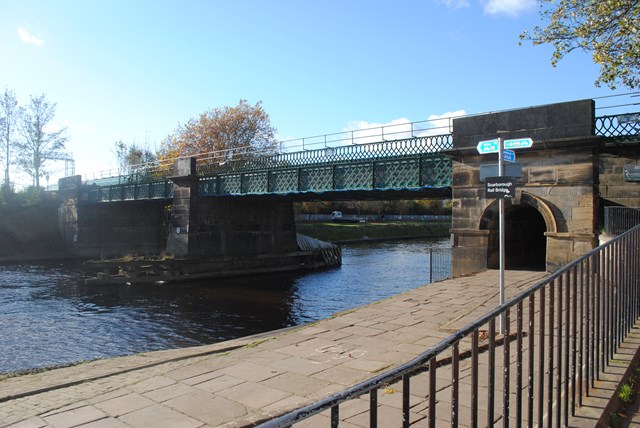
243	126
40	142
9	115
130	156
608	29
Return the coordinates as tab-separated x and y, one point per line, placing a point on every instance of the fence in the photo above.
618	220
556	340
439	264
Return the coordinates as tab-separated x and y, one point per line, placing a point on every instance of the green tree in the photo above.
9	115
607	29
40	142
244	126
131	156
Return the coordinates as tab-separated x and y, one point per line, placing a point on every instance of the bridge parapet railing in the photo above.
247	161
530	360
619	128
142	173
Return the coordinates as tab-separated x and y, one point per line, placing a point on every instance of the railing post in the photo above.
430	265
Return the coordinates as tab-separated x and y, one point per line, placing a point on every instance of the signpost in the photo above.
502	187
508	155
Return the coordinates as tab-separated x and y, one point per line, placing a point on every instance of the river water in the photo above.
49	317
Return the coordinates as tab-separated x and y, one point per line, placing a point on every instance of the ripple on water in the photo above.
48	317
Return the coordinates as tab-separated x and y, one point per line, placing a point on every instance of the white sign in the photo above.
518	143
488	146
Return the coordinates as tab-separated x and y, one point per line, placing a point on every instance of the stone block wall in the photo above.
613	187
243	226
559	179
117	229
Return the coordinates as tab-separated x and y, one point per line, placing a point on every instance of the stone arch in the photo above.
528	221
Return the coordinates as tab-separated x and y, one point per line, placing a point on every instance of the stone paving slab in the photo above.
239	382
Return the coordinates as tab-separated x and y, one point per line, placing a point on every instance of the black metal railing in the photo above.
619	128
556	340
618	220
246	162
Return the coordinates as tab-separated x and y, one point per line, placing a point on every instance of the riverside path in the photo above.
240	382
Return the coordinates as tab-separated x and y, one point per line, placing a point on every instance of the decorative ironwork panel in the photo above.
104	194
160	190
283	181
116	193
316	179
619	128
207	186
255	182
436	171
398	174
332	155
129	192
230	184
357	176
142	191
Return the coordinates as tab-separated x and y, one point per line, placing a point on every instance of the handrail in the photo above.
606	275
618	128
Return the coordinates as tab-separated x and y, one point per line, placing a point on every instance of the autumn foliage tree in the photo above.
245	126
607	29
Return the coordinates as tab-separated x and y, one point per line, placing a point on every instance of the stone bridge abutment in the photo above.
556	213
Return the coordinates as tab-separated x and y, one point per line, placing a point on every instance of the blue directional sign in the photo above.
508	155
518	143
488	146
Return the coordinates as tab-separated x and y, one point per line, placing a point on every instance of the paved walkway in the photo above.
239	382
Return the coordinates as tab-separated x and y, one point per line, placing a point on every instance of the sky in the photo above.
133	70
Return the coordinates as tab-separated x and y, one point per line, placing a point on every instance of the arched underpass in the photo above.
525	240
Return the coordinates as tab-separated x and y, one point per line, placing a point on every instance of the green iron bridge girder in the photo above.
407	164
410	164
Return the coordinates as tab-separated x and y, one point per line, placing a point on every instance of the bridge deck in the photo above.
246	380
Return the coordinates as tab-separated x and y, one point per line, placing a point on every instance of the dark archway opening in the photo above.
525	242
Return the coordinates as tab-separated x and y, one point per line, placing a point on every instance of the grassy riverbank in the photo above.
338	232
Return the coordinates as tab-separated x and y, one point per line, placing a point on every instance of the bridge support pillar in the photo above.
69	190
183	209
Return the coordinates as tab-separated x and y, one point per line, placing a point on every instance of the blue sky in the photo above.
133	70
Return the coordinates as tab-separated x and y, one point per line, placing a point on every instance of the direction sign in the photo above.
518	143
488	146
509	155
500	187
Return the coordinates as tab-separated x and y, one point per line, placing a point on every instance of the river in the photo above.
49	317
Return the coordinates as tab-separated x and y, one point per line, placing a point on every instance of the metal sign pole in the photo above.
501	233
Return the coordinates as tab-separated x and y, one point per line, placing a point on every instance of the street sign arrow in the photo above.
518	143
508	155
488	146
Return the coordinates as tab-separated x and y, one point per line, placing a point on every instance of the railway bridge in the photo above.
240	204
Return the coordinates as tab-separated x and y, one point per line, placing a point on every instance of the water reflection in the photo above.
48	317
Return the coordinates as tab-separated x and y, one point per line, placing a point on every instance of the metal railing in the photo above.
245	162
618	220
619	128
440	266
557	339
390	140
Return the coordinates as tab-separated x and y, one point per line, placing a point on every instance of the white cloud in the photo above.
441	123
454	4
29	38
508	7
